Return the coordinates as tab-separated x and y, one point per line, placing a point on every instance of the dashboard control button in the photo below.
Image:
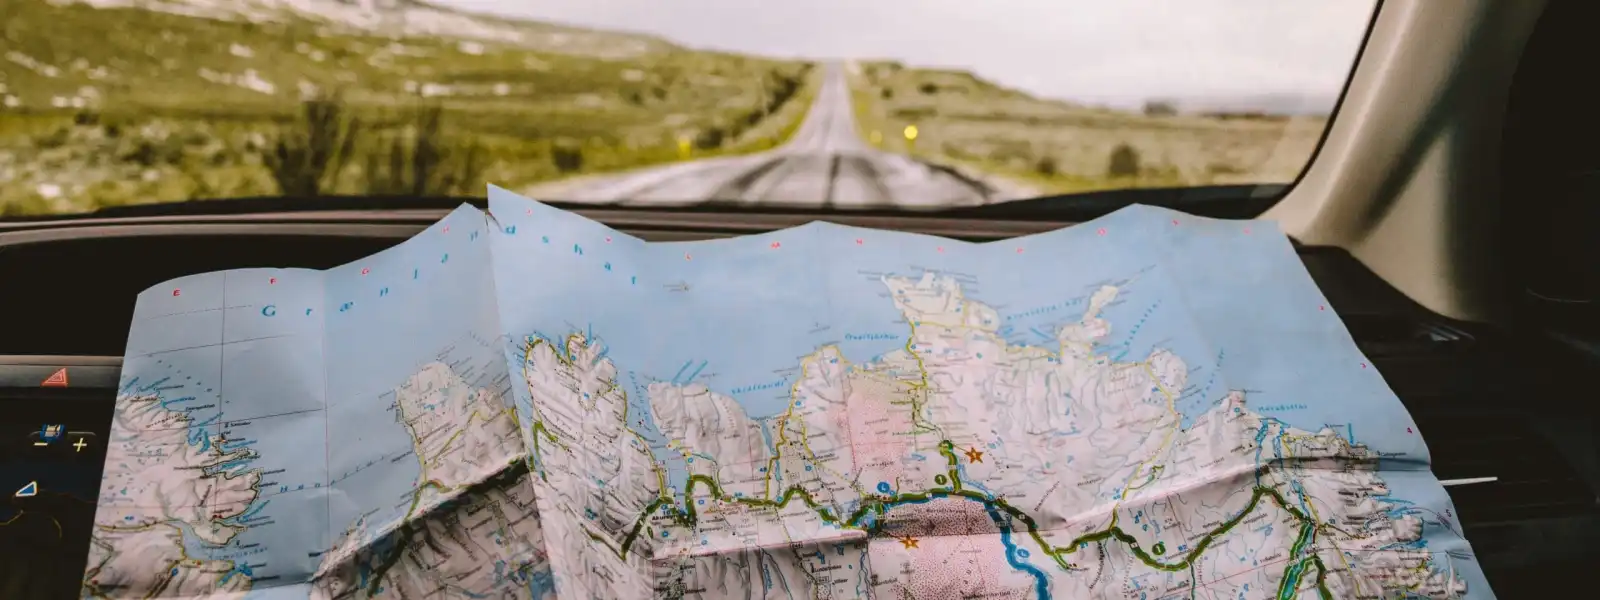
80	440
47	433
56	379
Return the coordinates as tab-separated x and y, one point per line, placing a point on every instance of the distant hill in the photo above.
224	54
1288	105
1066	147
963	81
401	19
109	102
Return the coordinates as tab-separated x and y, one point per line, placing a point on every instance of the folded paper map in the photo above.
525	403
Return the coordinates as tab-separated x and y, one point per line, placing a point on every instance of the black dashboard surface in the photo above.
50	463
1491	403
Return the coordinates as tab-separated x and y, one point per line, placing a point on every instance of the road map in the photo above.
525	403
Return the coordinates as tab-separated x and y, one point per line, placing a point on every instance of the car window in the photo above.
829	104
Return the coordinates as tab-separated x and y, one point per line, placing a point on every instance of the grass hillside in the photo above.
1061	147
119	104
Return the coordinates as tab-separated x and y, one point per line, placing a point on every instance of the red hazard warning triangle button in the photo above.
57	379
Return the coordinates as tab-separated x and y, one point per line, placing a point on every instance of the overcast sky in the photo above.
1113	51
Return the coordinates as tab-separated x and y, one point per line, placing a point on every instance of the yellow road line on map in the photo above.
1316	520
1172	407
538	422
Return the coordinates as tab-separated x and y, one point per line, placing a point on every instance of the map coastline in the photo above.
825	409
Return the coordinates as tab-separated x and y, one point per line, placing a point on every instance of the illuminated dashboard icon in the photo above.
57	379
47	434
80	439
28	491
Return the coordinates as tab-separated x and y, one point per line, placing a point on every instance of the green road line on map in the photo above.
689	517
536	429
1287	591
878	504
1291	578
1322	578
920	387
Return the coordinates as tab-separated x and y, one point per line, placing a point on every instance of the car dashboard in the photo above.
1503	413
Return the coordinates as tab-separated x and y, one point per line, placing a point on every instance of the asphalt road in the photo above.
825	164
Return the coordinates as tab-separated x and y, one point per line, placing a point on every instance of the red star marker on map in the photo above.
973	455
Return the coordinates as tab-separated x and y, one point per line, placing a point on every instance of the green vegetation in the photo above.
1060	147
106	107
306	159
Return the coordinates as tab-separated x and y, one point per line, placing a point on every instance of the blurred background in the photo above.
889	103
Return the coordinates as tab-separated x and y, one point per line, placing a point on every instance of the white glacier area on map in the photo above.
525	403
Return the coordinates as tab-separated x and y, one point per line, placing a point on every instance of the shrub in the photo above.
1124	161
709	138
1046	165
567	157
148	152
420	160
306	157
57	138
1160	108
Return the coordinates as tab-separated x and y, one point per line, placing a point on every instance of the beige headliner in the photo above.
1407	178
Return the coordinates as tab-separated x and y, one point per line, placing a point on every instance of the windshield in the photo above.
823	103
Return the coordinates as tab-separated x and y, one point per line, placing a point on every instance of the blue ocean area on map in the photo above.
284	382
